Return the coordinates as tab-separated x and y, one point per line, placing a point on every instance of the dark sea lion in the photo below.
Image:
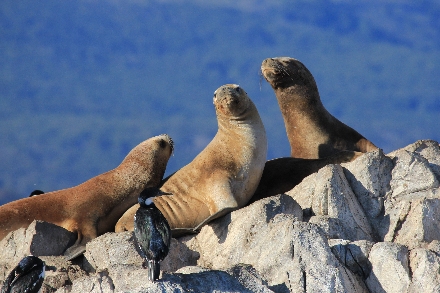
282	174
93	207
223	177
312	131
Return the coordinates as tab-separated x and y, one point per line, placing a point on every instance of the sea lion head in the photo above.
231	100
285	72
150	158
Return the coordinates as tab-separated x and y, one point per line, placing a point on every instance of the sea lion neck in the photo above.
304	115
299	100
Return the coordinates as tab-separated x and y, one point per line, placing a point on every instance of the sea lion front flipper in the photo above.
74	251
177	232
79	247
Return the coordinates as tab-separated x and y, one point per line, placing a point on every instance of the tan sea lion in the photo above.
282	174
312	131
93	207
223	177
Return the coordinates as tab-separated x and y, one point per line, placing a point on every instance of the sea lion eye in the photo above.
162	143
238	89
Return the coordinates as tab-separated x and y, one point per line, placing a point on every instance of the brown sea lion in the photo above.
93	207
312	131
223	177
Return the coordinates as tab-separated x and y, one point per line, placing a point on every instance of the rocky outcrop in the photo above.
366	226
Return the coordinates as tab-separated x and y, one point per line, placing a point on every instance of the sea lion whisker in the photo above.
260	73
284	70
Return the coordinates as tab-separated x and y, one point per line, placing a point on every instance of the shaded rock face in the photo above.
366	226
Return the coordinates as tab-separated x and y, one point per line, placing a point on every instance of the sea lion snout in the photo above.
285	72
166	140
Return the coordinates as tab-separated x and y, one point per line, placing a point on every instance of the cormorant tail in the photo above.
153	270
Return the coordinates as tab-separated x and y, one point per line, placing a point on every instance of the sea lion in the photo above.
312	131
223	177
93	207
282	174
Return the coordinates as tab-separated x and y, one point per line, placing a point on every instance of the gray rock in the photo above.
112	249
39	239
424	265
293	259
60	272
249	278
96	283
411	173
429	149
390	271
136	281
414	220
354	255
117	249
333	228
328	193
369	177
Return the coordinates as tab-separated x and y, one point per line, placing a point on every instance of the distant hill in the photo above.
82	82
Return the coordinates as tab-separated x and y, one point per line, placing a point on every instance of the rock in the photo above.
416	221
112	249
39	239
333	228
291	261
249	278
424	266
97	283
354	255
328	193
187	280
369	177
411	173
428	149
60	272
390	271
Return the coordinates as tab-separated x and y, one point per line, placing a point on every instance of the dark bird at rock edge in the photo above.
152	233
27	276
36	192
